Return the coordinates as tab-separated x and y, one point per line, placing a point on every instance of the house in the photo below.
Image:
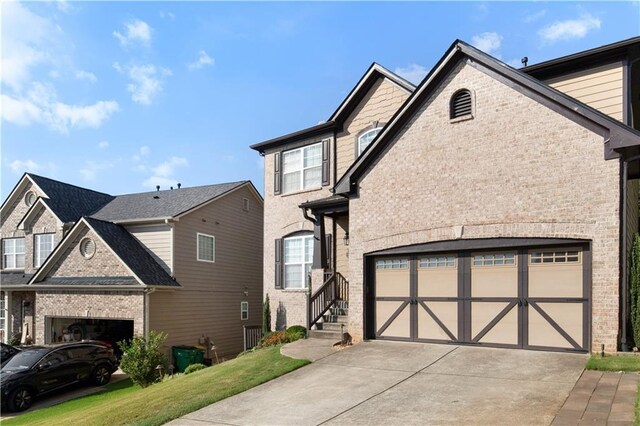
485	206
184	261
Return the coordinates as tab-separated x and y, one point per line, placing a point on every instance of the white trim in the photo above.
15	254
19	187
37	262
32	212
198	234
302	264
172	246
360	150
242	304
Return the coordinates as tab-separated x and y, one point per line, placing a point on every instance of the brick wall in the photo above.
517	169
99	304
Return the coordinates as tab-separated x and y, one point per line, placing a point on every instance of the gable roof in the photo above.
162	204
615	134
41	203
68	202
346	107
145	270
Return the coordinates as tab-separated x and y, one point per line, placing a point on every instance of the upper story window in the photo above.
298	257
364	140
461	105
206	248
43	248
302	168
13	253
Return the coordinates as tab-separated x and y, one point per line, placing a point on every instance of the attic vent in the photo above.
87	248
30	198
245	204
460	104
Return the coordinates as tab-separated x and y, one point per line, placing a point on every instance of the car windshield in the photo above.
25	359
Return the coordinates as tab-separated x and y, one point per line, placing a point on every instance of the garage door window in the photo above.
492	259
392	264
568	256
438	262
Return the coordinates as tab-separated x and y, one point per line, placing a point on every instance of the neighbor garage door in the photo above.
521	298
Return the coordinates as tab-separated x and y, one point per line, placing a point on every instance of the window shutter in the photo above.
278	263
277	173
329	246
325	162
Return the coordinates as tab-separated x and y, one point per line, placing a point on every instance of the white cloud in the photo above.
414	73
21	166
570	29
137	31
146	81
86	75
202	60
143	152
163	173
534	16
40	106
488	42
64	6
167	15
103	144
91	168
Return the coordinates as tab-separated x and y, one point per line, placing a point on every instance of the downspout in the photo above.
624	346
147	292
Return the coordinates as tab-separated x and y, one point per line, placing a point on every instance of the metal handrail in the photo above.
335	287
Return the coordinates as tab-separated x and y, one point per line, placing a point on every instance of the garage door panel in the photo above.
392	319
504	331
498	281
391	281
438	320
556	325
558	280
440	282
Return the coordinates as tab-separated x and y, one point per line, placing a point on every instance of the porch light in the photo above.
345	239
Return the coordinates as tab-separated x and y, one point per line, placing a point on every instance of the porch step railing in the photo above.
335	287
252	335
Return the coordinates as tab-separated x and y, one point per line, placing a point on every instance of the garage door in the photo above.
521	298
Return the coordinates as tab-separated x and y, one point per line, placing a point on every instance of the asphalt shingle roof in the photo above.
157	204
70	202
9	278
132	253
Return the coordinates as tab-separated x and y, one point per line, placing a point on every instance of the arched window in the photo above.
298	258
365	139
461	104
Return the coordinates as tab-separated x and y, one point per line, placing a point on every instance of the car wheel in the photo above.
20	399
101	375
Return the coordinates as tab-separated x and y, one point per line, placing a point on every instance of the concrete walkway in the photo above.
396	383
600	399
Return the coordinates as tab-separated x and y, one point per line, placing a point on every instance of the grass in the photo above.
618	363
128	404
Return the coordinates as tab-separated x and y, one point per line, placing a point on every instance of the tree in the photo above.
634	279
266	316
141	358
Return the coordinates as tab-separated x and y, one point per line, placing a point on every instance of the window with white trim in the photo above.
206	248
244	311
13	253
302	168
438	262
392	264
493	259
364	140
558	256
43	248
298	258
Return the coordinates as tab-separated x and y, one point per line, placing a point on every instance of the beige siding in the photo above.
382	101
600	88
209	301
156	239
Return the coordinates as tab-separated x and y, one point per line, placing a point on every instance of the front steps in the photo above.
334	322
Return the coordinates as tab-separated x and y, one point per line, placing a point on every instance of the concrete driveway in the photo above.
407	383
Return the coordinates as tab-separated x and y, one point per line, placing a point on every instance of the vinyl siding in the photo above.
209	301
156	239
600	88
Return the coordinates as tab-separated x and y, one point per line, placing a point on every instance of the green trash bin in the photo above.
184	356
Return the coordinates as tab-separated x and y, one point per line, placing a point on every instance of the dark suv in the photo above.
42	369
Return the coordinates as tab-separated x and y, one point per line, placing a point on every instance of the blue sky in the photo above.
120	97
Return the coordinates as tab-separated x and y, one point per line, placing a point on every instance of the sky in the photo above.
123	96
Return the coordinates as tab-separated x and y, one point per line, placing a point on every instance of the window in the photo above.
302	168
438	262
365	139
461	105
392	264
206	248
13	253
87	248
298	257
43	248
244	311
560	256
492	259
245	204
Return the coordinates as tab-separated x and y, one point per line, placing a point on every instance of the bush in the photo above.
266	317
194	367
297	330
16	339
141	357
292	334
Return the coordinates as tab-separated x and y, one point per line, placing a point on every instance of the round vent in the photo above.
30	198
87	248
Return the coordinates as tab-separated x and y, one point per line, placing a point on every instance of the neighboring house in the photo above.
487	206
184	261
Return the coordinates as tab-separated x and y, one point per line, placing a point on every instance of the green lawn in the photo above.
618	363
124	403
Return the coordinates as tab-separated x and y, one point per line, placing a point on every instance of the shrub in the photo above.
16	339
194	367
292	334
297	330
266	317
634	281
141	357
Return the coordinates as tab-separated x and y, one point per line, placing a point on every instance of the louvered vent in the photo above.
460	104
87	248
